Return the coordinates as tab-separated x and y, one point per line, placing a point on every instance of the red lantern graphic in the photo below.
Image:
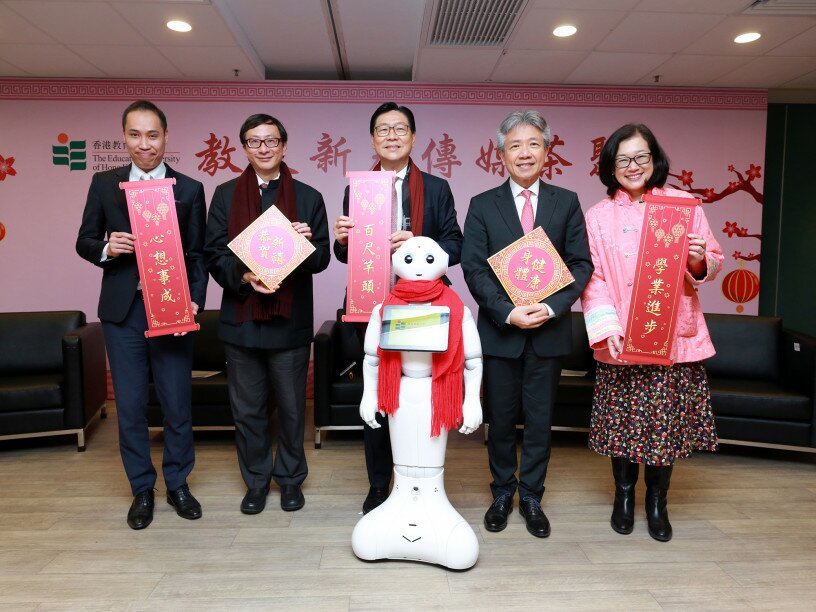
740	286
2	231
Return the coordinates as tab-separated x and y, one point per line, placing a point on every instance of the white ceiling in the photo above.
619	42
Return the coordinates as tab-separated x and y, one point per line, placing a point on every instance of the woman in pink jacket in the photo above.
650	414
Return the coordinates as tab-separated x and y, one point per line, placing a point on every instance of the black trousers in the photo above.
524	386
132	357
379	461
251	372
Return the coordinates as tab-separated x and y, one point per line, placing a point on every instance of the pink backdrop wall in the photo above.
714	138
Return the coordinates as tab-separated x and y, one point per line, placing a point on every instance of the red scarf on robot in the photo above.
447	368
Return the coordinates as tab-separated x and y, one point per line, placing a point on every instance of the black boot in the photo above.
623	511
657	491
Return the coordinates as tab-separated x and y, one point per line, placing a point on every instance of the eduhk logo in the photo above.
69	153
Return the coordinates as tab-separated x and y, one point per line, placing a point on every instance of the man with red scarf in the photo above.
267	332
424	208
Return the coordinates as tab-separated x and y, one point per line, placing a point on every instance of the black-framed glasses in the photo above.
255	143
641	159
383	130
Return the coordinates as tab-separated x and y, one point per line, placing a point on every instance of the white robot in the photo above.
417	522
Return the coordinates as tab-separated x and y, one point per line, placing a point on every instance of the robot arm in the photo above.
371	368
472	408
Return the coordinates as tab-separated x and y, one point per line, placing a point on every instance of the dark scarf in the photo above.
447	368
245	208
417	191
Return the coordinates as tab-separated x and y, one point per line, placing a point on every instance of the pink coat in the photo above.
613	229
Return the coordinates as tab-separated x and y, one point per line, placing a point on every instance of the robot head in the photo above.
420	258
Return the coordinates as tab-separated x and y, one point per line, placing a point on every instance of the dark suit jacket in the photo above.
492	223
227	270
106	212
439	219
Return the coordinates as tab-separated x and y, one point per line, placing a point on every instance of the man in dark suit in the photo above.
267	331
425	207
522	345
122	312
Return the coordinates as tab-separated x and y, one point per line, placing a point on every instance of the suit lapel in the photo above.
507	210
122	176
546	205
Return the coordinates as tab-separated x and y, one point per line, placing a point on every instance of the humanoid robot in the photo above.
417	522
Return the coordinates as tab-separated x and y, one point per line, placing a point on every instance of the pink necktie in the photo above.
527	219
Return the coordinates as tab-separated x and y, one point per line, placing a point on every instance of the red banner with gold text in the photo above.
658	285
371	200
160	257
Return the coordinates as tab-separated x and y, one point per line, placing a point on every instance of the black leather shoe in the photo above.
375	497
140	514
537	523
185	504
254	501
495	518
291	498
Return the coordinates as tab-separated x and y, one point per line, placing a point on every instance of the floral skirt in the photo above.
651	414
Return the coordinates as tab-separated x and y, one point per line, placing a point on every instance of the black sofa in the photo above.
210	395
762	379
763	382
52	374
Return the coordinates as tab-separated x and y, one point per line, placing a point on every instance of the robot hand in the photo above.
368	412
471	416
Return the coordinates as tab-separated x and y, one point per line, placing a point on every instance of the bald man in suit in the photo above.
105	239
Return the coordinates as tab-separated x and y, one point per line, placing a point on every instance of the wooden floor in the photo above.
744	536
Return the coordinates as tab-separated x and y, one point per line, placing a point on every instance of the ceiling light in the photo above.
564	31
179	26
747	37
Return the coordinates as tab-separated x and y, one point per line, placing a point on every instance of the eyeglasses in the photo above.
400	130
255	143
641	159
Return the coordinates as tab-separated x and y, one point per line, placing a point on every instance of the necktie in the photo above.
527	219
406	204
145	177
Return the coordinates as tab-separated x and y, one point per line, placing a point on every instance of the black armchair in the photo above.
52	374
338	377
210	393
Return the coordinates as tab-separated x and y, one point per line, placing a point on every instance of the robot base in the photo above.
417	523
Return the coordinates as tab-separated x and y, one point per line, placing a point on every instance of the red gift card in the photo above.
530	269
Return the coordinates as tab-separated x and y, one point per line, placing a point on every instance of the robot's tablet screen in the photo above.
415	328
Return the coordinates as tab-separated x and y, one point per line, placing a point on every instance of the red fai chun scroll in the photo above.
530	269
271	248
160	257
371	201
658	286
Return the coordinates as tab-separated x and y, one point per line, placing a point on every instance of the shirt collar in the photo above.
261	181
401	174
622	197
159	172
517	189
